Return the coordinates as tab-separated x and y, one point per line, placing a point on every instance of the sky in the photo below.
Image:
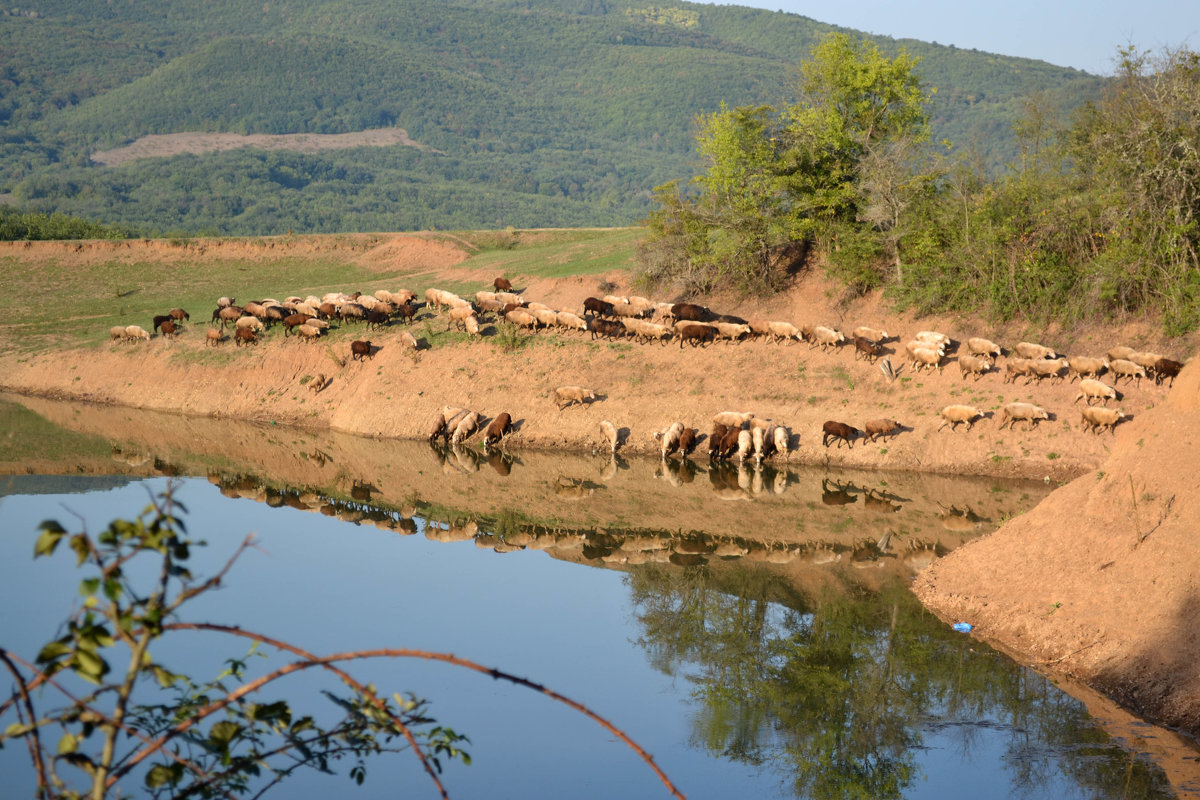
1084	34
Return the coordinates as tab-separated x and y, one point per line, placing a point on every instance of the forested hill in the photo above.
527	112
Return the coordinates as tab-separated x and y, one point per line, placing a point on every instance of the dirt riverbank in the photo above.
1098	582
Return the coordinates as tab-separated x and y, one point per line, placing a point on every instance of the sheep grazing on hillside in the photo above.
1086	366
1046	368
973	365
361	349
243	336
923	357
609	432
1026	412
308	333
212	337
1096	418
872	335
1091	389
983	347
866	349
407	340
1166	369
875	428
569	395
1120	351
1032	350
135	332
1126	369
839	432
825	338
732	419
1015	367
466	428
783	330
933	337
502	284
953	415
117	333
250	323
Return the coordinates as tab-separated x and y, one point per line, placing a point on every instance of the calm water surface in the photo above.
803	668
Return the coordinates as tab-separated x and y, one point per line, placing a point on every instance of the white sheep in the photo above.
732	419
1086	366
783	330
926	357
983	347
1120	351
1015	367
569	395
975	365
870	334
308	332
472	326
116	333
745	445
609	432
1122	368
1027	412
783	441
826	337
465	428
1091	389
1046	368
250	323
1096	418
409	341
731	331
565	319
1032	350
952	415
668	438
135	332
933	337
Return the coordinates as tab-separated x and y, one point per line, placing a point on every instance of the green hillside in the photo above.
529	112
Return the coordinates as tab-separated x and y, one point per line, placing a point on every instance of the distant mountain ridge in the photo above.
543	112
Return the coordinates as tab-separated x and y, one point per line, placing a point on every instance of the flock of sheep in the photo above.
643	320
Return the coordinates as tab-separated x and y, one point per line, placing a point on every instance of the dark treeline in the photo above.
544	113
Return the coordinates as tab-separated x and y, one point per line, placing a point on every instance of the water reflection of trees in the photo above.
840	691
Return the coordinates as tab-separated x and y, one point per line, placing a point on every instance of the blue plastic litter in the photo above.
962	627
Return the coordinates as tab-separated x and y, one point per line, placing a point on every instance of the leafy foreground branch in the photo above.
183	738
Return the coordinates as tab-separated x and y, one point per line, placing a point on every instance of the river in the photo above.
750	628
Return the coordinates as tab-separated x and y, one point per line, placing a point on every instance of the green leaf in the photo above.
53	651
89	586
161	774
90	666
17	729
51	535
79	544
68	744
223	732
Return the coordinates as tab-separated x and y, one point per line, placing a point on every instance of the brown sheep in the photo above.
695	334
881	427
690	312
839	431
243	336
212	337
866	348
502	284
500	427
360	349
1166	368
294	320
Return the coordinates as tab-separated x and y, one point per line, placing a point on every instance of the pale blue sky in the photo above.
1084	34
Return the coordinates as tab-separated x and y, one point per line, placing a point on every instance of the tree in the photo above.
189	738
777	179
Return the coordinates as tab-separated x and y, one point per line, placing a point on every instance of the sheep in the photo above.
1046	368
227	314
974	365
604	327
409	341
500	427
916	344
158	321
1166	368
925	357
116	333
458	316
1096	418
522	319
825	337
609	432
875	428
349	312
732	332
243	336
212	337
690	312
225	302
597	307
870	334
1015	367
1028	412
782	438
626	311
360	349
502	284
1126	369
1034	351
687	440
745	443
134	332
293	321
466	428
694	334
1120	351
471	324
933	337
169	328
255	309
952	415
436	426
318	383
1145	360
839	431
668	439
308	333
651	330
250	324
867	349
1086	366
1091	389
568	395
783	330
565	319
983	347
732	419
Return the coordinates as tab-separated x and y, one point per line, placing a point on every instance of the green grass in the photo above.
68	301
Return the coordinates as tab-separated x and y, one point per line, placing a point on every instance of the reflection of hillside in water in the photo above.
595	509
